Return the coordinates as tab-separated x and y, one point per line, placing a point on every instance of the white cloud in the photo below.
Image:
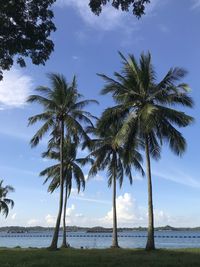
97	178
162	218
33	222
72	218
109	18
50	220
128	212
14	89
70	210
13	216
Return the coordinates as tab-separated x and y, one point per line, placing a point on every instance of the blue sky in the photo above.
86	45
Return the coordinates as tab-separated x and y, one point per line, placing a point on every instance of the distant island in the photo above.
97	229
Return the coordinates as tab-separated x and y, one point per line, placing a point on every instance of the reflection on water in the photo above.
127	239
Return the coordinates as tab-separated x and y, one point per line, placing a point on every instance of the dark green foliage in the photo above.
4	201
25	27
136	6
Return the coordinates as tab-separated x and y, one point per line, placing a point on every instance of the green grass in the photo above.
99	258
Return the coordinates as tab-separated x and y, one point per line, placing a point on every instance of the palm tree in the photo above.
107	154
4	201
147	108
71	171
63	112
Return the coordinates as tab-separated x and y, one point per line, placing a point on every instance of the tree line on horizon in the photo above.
144	117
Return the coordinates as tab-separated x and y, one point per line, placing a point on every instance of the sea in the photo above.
127	239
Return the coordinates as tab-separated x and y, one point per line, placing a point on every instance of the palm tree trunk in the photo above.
114	236
54	242
64	243
150	239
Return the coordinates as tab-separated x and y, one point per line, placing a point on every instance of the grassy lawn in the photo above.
99	258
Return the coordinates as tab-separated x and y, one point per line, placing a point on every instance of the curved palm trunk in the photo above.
54	242
64	242
114	236
150	239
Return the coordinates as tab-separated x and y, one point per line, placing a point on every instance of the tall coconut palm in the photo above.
63	111
71	171
108	155
148	110
4	201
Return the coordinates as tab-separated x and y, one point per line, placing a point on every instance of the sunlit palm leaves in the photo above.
147	110
60	101
62	113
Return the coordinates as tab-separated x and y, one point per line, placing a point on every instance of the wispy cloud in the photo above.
19	171
15	135
109	19
195	4
178	177
21	135
92	200
14	89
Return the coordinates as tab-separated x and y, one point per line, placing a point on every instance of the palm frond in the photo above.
41	132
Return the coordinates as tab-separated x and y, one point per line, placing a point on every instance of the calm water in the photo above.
129	239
